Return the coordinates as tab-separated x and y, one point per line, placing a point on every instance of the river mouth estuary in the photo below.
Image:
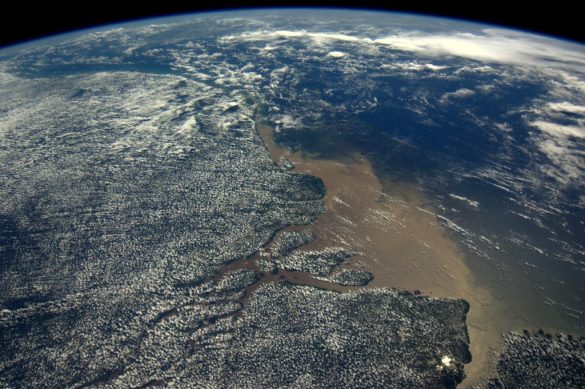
296	198
402	242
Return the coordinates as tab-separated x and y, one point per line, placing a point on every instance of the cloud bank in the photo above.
490	46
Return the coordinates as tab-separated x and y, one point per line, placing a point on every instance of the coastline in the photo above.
400	243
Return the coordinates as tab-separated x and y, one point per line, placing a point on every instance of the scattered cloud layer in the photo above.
490	46
413	66
560	136
558	119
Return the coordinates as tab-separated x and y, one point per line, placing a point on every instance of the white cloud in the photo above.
566	163
458	94
559	130
288	121
504	127
486	88
336	54
565	106
430	66
475	69
472	203
560	137
413	66
492	46
318	37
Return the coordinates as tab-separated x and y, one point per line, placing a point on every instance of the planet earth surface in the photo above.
293	198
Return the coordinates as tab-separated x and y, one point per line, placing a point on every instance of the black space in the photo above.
25	21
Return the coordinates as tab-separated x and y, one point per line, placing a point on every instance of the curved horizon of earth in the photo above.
301	198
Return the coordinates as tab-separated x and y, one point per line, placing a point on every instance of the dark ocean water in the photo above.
524	245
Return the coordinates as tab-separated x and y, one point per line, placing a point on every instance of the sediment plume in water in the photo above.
399	241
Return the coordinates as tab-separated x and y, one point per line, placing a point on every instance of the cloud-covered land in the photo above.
133	172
